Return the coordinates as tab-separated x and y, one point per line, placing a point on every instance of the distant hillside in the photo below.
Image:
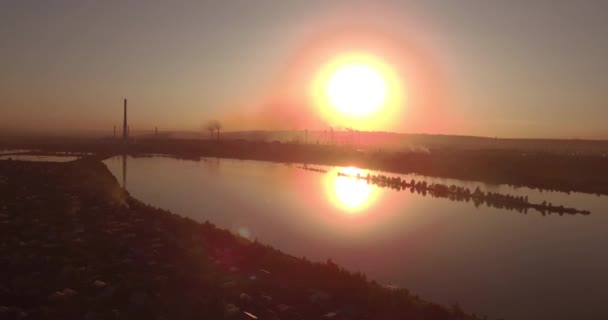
416	142
364	140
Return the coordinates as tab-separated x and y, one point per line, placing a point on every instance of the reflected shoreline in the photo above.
453	192
564	172
456	193
352	201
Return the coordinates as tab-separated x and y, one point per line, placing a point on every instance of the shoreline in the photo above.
108	255
540	170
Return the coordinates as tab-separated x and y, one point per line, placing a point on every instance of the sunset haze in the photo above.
535	69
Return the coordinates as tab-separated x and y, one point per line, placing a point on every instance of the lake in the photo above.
493	262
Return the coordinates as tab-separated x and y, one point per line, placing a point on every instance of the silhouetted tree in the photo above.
210	126
214	126
217	125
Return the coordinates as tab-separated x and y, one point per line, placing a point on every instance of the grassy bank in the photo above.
73	244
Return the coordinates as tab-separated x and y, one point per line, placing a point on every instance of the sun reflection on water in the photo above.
349	194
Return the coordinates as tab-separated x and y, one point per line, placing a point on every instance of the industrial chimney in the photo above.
125	133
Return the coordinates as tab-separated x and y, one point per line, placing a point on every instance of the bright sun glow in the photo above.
349	194
357	89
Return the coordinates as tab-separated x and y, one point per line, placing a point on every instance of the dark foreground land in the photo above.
73	244
576	167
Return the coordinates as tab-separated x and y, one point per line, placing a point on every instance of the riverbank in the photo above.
73	244
565	172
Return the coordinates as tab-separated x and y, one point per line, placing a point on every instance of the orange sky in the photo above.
472	67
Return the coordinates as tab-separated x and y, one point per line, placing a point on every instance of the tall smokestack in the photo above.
125	133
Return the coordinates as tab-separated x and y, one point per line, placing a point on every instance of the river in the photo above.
494	262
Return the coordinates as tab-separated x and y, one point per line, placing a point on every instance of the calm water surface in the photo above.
492	262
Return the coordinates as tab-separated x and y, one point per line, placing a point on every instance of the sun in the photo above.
356	89
359	91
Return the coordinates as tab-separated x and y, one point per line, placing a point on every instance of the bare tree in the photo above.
210	126
213	126
217	125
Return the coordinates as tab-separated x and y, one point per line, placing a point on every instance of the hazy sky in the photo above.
508	68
